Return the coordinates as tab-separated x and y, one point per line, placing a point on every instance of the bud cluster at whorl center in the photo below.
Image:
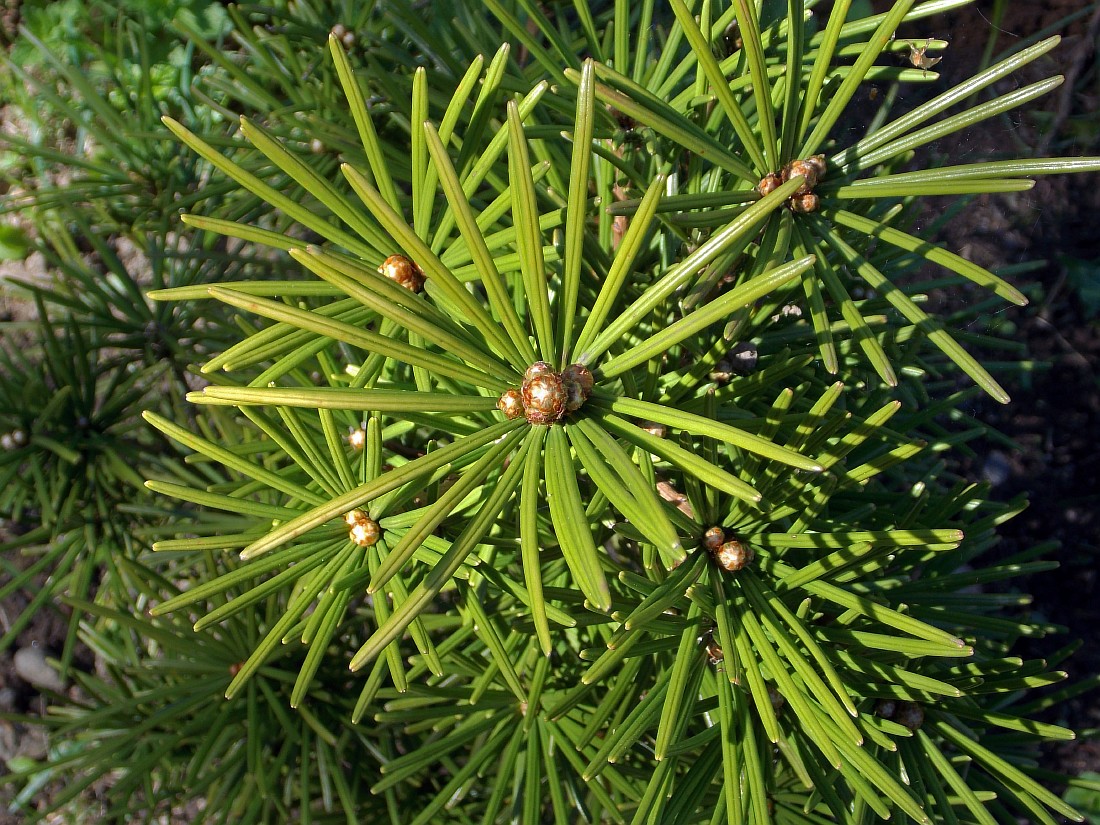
731	555
546	395
362	529
812	170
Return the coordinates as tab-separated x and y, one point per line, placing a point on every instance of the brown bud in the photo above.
817	162
362	529
807	170
655	429
536	369
365	534
733	555
768	184
357	438
714	538
400	269
804	203
578	382
544	398
511	404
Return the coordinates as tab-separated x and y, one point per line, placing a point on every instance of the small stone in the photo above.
19	741
31	666
996	469
743	357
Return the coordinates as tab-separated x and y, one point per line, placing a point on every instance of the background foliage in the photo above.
542	632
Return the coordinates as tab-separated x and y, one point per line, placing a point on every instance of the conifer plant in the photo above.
585	462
